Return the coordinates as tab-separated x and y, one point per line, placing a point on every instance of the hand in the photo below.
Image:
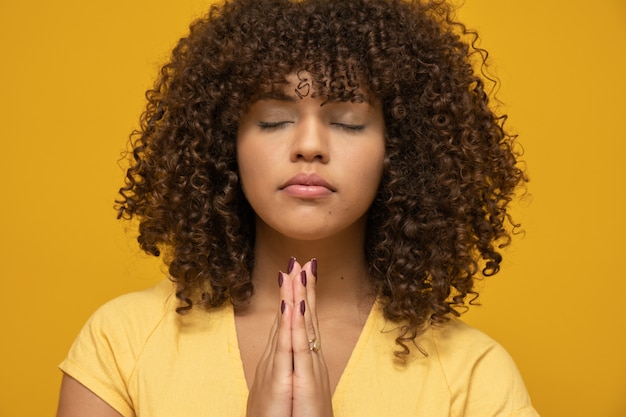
311	386
271	391
292	379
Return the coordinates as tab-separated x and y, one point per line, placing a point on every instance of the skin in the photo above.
342	143
77	401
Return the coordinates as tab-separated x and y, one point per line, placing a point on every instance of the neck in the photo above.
342	269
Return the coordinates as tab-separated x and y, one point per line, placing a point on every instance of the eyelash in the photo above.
275	125
349	128
271	125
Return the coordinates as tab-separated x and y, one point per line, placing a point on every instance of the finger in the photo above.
287	289
302	331
266	363
307	279
280	335
312	323
311	294
271	345
271	391
302	355
285	281
282	352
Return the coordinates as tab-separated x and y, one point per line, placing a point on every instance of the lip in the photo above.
305	185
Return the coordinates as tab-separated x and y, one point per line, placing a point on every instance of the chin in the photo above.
308	235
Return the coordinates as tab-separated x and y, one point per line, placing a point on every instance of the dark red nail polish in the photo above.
303	278
302	307
314	268
280	279
292	261
282	306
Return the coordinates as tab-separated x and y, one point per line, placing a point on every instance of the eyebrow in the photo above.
277	95
288	98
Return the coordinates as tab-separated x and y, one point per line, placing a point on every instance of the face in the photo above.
310	171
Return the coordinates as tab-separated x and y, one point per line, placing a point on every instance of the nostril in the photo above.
310	157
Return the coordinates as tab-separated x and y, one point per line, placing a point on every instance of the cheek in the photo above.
247	157
254	164
372	162
365	171
376	169
246	167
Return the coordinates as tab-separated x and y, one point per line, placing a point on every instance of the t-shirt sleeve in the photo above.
104	355
482	377
496	388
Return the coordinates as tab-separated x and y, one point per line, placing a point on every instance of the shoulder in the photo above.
461	349
124	324
134	324
136	312
151	300
104	355
454	338
480	373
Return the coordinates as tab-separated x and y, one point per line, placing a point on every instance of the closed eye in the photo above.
349	127
272	125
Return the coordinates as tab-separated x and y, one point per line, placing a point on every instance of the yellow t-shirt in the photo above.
144	359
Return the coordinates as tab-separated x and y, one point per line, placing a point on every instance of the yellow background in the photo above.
72	79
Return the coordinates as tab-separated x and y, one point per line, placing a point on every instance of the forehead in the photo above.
303	83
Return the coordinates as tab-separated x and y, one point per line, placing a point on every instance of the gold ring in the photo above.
314	345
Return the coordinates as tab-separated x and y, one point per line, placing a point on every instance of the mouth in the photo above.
307	186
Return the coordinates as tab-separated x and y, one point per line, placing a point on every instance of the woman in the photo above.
349	148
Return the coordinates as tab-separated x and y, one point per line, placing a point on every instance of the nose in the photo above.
311	140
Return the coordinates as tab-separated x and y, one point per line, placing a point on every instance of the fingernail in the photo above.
303	278
302	307
314	268
292	261
282	306
280	279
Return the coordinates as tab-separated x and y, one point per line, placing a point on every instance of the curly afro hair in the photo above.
440	217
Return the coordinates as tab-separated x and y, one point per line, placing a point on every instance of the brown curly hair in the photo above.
440	215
